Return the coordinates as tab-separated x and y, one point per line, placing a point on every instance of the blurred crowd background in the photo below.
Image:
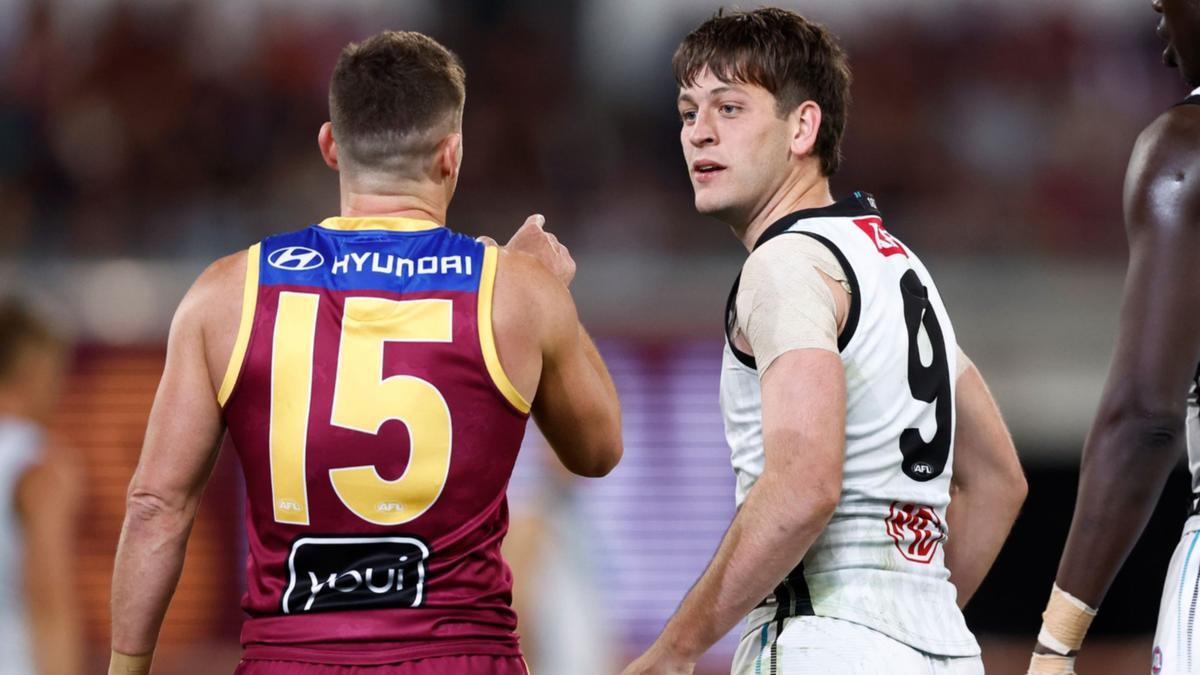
139	140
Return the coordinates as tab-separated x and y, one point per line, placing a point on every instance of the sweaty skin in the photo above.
1138	433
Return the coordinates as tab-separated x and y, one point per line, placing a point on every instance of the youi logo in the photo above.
295	259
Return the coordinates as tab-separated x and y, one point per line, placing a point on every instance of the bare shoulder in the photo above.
530	308
217	292
523	282
1162	188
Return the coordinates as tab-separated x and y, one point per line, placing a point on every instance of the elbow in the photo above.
602	461
148	510
1143	427
825	502
817	504
606	450
1018	489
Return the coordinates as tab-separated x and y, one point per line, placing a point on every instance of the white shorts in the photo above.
1175	649
815	645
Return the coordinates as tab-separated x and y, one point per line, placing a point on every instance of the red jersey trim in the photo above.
233	371
361	654
487	339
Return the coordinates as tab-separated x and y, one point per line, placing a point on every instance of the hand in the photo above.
657	661
532	239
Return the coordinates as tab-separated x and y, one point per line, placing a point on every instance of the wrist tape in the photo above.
126	664
1051	664
1065	622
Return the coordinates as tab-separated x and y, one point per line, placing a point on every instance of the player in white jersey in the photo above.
851	414
39	629
1148	409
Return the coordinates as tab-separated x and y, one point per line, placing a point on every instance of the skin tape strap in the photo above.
783	303
1051	664
125	664
1065	622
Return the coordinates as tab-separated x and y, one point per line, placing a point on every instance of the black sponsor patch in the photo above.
330	574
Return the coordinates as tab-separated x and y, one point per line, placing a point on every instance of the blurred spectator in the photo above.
40	630
169	129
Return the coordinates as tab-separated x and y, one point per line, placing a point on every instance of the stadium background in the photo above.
139	140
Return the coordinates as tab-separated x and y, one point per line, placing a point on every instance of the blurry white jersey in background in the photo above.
20	448
880	561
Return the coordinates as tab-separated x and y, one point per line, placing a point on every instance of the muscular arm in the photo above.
182	438
1137	435
804	423
789	312
544	347
576	407
987	489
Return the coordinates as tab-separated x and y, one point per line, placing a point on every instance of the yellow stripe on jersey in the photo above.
291	394
487	340
249	301
379	223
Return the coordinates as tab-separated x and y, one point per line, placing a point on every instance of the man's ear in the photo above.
806	125
449	156
328	146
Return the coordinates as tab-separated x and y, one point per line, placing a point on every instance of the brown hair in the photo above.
779	50
392	98
21	329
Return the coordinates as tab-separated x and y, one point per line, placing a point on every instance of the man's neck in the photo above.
375	205
805	192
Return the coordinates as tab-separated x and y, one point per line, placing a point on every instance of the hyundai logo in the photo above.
295	259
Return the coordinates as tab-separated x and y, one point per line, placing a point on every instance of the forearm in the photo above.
56	631
58	638
1112	508
979	518
597	363
772	531
148	564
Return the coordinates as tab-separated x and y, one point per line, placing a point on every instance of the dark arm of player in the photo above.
576	406
804	426
987	488
182	438
1136	437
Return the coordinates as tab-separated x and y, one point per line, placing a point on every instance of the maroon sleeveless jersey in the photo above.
377	432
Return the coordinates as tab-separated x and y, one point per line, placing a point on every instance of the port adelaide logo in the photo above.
295	259
330	574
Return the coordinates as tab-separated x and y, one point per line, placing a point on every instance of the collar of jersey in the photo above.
858	204
378	223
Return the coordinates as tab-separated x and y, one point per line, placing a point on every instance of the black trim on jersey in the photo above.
1194	503
731	326
1194	99
792	597
859	204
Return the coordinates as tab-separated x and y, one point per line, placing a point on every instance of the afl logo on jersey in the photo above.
295	259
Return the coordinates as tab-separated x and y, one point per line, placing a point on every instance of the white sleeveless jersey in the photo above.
20	448
880	561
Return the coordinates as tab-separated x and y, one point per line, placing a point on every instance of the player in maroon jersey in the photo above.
375	373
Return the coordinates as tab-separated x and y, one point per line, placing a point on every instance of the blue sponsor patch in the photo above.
430	260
